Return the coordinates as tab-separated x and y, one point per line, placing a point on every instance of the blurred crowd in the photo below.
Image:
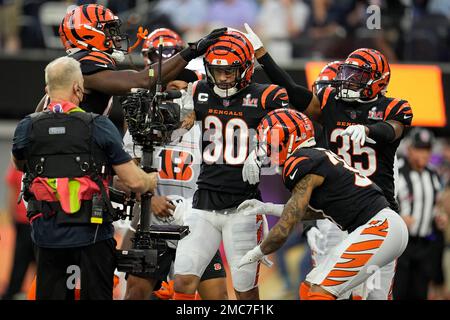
405	30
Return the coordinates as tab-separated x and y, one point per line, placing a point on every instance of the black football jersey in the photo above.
345	197
229	129
93	62
375	161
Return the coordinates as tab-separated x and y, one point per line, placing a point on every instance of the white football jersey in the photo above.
178	163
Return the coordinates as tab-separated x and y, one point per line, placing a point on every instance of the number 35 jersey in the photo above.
375	161
345	197
229	129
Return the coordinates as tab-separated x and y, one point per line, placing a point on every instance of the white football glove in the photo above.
254	207
253	256
186	101
357	134
250	35
312	236
252	168
254	39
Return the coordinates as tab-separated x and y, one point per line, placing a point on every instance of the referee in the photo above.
418	188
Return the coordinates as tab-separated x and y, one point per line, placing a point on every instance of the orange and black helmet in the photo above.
233	51
365	74
282	131
92	27
326	76
172	44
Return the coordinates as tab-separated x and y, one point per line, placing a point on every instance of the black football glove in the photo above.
197	49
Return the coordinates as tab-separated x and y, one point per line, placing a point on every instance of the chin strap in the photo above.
225	93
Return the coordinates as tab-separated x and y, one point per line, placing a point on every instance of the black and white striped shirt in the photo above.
417	193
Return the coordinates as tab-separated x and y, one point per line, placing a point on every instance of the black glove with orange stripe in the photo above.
198	48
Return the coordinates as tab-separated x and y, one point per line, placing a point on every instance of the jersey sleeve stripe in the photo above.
266	92
294	164
326	95
88	58
390	107
102	56
281	91
403	107
288	162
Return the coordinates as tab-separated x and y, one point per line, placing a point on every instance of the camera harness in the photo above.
56	151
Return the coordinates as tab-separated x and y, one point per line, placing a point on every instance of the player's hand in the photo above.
254	207
253	37
187	101
166	291
198	48
161	206
358	134
253	256
313	236
252	168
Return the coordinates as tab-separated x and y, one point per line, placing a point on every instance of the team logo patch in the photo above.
217	266
248	101
374	114
176	165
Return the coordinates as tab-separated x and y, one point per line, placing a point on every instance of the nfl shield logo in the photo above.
353	115
226	103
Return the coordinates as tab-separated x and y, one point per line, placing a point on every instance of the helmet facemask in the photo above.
353	82
114	39
227	79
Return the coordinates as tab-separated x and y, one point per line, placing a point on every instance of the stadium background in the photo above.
420	72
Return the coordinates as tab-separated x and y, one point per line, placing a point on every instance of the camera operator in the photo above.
68	156
178	169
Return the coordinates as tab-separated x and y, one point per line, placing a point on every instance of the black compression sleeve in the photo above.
381	132
299	96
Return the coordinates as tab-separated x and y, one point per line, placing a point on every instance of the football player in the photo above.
353	111
324	186
178	169
230	107
323	234
91	34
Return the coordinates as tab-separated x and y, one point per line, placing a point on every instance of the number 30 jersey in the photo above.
375	161
345	197
229	129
